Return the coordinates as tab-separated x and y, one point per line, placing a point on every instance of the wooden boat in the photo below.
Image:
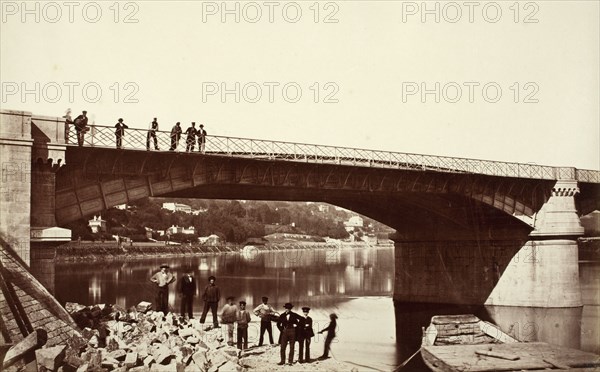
466	343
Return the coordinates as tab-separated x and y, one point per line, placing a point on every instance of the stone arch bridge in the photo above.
468	231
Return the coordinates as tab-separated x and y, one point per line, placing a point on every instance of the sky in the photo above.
504	80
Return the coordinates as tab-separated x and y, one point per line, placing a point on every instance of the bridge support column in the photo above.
545	272
536	270
32	149
15	181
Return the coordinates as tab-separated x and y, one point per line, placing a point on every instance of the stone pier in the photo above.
539	269
32	149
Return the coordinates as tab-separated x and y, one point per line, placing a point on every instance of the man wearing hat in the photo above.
81	127
305	333
201	138
211	297
264	311
175	136
162	279
191	137
187	288
152	134
288	323
120	132
243	318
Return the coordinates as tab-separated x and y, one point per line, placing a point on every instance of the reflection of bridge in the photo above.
469	231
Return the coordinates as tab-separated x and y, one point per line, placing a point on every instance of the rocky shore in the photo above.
140	339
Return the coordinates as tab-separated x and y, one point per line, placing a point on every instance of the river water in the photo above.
357	284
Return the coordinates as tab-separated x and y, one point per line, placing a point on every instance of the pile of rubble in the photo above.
138	339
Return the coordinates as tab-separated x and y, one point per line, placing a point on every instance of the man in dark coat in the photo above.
81	127
175	136
211	297
288	324
305	333
120	132
187	288
191	137
152	134
330	335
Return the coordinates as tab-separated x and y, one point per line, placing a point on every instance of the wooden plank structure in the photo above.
531	356
466	343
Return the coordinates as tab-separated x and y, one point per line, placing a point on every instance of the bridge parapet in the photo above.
137	139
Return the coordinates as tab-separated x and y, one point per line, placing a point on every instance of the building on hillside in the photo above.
210	240
181	230
354	221
97	224
189	230
176	207
323	208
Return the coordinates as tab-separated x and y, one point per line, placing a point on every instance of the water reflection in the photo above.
298	276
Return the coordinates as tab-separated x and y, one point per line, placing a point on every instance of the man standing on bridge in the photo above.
191	137
201	138
120	132
162	279
175	136
81	127
152	134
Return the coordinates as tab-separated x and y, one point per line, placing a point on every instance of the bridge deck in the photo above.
138	139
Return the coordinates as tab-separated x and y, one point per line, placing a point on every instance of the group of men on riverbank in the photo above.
192	133
292	326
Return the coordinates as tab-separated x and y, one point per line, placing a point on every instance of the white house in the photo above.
97	224
176	207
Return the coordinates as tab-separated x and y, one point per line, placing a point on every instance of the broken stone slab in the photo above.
140	369
230	367
217	358
93	357
148	360
118	354
83	368
74	361
144	306
200	359
110	363
130	360
231	351
73	307
192	340
193	367
33	341
50	358
185	332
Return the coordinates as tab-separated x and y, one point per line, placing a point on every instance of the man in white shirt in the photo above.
264	312
162	279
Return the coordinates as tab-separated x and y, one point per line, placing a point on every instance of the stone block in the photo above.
200	358
144	307
185	332
73	307
149	360
50	358
130	360
118	354
192	340
18	351
230	367
108	362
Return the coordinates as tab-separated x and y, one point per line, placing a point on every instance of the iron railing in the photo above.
138	139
